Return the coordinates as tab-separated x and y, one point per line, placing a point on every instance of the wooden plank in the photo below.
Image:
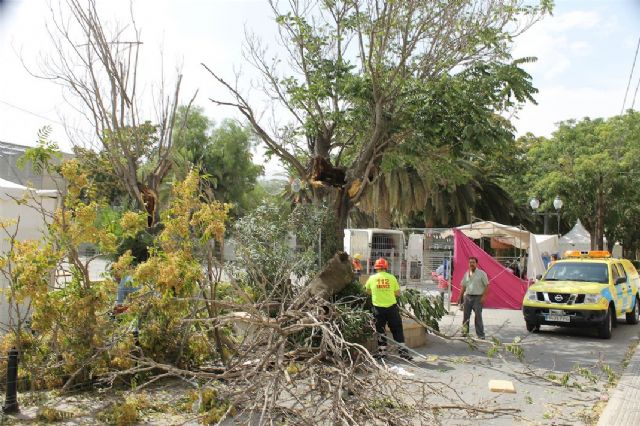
503	386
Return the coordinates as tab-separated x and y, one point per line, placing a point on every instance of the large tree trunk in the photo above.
342	207
384	218
382	211
600	214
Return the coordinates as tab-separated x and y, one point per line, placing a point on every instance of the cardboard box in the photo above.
415	336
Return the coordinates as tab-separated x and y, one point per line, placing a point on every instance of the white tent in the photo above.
512	235
26	216
536	245
540	244
576	239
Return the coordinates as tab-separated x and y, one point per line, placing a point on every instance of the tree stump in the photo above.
335	276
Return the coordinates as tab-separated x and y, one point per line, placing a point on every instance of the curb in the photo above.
623	407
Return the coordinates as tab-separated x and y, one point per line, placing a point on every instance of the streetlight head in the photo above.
534	203
557	202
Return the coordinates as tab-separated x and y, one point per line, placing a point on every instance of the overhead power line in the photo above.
26	111
635	94
624	102
29	112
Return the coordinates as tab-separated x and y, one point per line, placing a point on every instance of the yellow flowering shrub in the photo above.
133	222
174	273
74	339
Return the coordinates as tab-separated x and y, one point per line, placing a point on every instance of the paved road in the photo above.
588	362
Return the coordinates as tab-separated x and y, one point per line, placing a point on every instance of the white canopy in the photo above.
540	244
536	245
11	190
576	239
512	235
5	184
548	244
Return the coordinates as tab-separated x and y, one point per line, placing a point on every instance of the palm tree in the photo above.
406	193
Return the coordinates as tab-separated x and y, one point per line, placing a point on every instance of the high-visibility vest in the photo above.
356	265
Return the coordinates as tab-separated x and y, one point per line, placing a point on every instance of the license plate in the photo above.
559	318
556	312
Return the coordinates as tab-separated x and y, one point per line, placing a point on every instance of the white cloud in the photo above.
553	41
560	103
579	48
577	19
566	90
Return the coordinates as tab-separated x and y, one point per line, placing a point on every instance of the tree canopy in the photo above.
97	65
447	169
592	164
358	70
222	153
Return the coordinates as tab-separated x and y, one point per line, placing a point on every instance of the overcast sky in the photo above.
584	51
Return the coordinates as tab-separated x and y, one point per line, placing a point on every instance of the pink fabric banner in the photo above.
506	290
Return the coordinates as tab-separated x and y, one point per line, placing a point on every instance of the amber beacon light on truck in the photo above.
593	254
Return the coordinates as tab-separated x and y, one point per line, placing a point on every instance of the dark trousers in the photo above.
390	316
473	303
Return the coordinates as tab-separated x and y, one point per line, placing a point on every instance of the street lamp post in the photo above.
534	203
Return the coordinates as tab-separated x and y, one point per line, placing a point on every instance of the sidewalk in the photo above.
624	406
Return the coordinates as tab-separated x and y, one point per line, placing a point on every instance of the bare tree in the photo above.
353	68
99	68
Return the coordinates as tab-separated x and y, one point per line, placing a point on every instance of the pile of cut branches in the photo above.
294	365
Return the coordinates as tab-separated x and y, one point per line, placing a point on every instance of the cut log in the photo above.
335	276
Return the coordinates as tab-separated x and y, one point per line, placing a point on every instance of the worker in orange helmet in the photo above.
384	290
357	266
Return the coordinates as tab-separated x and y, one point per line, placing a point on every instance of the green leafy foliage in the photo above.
429	310
355	317
515	348
447	168
102	176
73	340
223	154
581	160
427	94
210	405
268	253
43	156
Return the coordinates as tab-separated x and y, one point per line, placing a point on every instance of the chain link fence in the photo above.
429	258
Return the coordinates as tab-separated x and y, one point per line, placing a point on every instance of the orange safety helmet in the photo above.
381	263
